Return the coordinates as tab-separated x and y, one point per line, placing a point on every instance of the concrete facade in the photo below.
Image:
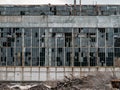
43	47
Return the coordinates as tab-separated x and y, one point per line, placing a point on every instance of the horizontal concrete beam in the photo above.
60	21
51	73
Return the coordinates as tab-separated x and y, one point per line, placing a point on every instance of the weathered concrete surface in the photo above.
51	73
60	21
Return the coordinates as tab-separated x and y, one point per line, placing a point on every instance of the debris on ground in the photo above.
98	81
40	87
3	86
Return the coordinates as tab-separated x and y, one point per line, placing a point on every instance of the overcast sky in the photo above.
59	2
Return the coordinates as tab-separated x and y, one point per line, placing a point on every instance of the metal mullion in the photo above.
0	48
31	56
39	46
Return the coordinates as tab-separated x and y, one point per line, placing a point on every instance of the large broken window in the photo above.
59	46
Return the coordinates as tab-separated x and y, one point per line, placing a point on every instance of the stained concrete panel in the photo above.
61	21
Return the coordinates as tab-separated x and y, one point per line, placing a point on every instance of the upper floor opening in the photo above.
60	10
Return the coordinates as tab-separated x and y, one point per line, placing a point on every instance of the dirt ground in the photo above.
97	81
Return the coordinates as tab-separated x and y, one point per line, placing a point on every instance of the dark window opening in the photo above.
12	52
59	63
92	34
1	29
42	39
22	13
18	34
53	34
109	61
55	11
42	58
53	50
1	34
115	30
36	34
102	30
43	49
117	52
68	58
82	54
4	44
9	44
93	61
50	8
93	39
106	36
117	42
85	62
88	35
68	39
91	54
42	13
29	58
115	12
101	54
59	50
79	30
76	59
1	59
102	12
1	49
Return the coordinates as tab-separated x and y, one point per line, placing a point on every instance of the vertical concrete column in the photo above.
6	54
105	47
56	50
46	47
23	51
14	48
50	47
98	64
73	55
113	50
88	53
23	48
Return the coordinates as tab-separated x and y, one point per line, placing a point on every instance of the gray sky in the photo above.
59	1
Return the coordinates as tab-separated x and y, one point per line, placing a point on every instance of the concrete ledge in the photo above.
51	73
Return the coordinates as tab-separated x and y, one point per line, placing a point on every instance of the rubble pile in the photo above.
98	81
3	86
40	87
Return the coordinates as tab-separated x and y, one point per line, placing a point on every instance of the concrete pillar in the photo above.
73	52
46	47
23	48
50	47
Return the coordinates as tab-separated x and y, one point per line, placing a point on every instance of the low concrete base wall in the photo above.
51	73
